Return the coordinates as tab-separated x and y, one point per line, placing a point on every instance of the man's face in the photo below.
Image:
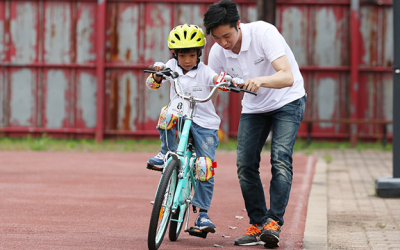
226	36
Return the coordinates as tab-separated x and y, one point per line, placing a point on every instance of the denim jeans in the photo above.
205	142
253	132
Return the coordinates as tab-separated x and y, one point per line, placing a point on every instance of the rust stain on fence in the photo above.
127	109
114	36
114	102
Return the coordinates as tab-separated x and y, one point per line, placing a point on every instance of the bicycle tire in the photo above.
160	215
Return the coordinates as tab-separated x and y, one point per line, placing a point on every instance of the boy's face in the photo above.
226	36
188	60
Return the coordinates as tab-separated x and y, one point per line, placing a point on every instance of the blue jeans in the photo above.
205	142
253	132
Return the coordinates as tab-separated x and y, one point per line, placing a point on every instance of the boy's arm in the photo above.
153	81
214	99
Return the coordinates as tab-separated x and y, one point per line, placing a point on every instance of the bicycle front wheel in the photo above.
162	205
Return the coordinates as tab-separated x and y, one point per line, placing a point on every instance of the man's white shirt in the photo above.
197	83
261	45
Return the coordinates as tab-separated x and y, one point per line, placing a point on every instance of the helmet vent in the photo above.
199	39
177	37
185	33
193	35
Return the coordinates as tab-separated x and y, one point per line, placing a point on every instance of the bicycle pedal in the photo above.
196	232
152	167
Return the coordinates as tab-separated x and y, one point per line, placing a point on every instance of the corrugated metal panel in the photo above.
2	98
58	32
123	100
2	32
48	63
56	98
22	97
85	99
24	23
85	32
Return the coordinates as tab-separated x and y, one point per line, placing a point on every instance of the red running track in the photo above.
69	200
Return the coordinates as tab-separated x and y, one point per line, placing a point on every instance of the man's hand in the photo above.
252	84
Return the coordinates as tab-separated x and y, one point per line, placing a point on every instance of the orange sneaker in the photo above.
250	238
270	234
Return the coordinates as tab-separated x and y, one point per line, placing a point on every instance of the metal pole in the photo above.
354	74
396	90
100	48
388	187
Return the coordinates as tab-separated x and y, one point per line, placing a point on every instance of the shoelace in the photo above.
160	155
252	231
273	225
205	219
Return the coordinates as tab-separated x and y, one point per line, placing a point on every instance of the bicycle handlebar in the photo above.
168	74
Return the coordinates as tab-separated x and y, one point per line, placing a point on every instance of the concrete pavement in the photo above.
343	210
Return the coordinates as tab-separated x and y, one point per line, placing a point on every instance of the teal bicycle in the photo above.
178	183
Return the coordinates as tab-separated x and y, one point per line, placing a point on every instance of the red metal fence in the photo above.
74	68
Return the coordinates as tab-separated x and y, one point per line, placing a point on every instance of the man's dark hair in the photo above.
222	13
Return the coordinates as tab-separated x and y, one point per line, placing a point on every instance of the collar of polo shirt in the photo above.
191	73
246	39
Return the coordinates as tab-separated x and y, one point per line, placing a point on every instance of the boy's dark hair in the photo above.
222	13
185	51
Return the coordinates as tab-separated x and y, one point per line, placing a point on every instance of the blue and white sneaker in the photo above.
156	162
204	223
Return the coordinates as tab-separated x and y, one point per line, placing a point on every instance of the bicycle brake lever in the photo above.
237	89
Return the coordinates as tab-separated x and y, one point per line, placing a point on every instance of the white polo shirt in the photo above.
197	83
261	44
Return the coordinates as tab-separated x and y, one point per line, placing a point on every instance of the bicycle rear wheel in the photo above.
162	205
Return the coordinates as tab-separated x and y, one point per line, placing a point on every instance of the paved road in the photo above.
69	200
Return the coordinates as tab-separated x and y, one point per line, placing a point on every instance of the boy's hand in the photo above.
237	81
158	66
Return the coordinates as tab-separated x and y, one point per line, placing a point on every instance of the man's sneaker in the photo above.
270	233
250	238
204	223
156	162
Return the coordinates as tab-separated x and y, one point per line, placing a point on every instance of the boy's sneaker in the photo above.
250	238
156	162
270	233
204	223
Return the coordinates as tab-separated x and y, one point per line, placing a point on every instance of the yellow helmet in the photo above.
186	36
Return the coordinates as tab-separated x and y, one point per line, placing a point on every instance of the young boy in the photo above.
186	42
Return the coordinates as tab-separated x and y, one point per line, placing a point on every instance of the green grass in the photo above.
45	143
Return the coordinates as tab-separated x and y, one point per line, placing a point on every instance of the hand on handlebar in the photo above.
237	84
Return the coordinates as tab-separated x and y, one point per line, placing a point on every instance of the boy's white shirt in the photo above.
194	83
261	44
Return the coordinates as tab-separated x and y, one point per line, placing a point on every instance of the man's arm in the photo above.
281	79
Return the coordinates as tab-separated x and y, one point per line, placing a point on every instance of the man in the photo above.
259	54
